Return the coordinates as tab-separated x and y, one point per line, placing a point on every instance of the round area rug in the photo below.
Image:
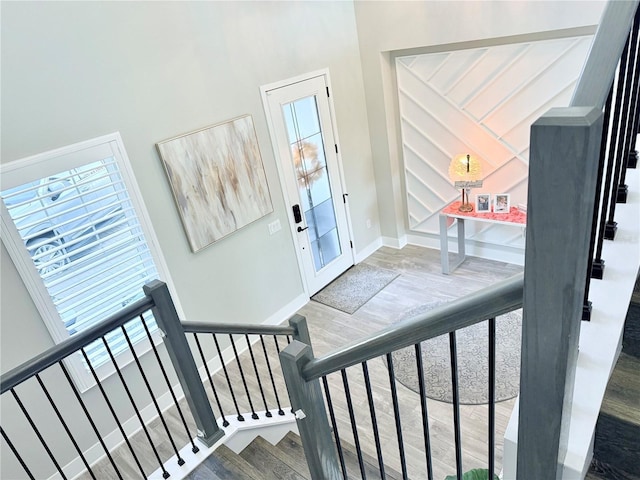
473	361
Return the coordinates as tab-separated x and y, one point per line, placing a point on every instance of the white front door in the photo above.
300	120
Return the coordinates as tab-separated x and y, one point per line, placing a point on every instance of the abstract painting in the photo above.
218	180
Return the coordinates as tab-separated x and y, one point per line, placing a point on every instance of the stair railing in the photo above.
262	368
303	373
617	152
565	177
92	449
44	433
567	150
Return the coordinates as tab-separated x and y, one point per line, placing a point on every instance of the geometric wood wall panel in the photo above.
484	101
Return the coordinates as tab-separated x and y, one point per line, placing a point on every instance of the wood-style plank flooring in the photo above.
420	282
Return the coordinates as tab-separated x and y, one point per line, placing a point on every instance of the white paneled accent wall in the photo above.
480	100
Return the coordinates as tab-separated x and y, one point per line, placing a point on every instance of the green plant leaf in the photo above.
475	474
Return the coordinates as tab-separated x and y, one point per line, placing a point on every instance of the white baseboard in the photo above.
488	251
394	242
368	250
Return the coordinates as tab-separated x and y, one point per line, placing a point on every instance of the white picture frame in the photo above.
483	203
502	203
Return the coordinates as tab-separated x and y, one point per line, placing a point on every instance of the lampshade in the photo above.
465	168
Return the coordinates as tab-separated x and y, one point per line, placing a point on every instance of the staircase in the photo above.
261	460
617	439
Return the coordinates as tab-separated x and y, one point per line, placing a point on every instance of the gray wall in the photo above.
152	70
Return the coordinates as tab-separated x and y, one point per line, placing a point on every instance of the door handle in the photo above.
300	229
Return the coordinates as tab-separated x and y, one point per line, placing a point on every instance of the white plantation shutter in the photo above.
77	232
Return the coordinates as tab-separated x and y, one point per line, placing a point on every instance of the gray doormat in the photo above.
473	361
355	287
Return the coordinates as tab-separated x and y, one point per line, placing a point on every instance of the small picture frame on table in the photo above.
502	203
483	203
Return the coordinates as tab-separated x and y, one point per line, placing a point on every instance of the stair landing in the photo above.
261	460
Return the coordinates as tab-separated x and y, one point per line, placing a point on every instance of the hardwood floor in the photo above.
419	282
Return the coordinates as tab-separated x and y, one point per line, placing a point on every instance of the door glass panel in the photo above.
329	246
325	219
307	149
310	218
314	189
302	119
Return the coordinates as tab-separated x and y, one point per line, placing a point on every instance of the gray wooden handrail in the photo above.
237	328
599	70
490	302
79	340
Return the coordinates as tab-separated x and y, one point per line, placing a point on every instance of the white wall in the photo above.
152	70
386	29
481	101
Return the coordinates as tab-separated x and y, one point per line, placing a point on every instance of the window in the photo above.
77	230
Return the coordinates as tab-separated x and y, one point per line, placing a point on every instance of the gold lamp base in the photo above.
465	206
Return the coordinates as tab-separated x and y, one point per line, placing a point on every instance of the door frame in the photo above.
264	89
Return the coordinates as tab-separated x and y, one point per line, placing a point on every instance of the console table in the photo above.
451	213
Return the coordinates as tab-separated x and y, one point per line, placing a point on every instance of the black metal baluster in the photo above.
607	229
89	418
113	412
254	415
622	75
226	375
456	403
632	117
629	86
15	452
492	396
273	383
194	448
423	407
632	158
64	425
275	339
635	130
165	474
38	434
255	369
225	423
596	269
334	426
396	414
354	427
288	339
374	421
153	397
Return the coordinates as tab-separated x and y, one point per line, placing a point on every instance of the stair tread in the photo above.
224	464
622	397
271	461
631	335
291	446
603	471
291	443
